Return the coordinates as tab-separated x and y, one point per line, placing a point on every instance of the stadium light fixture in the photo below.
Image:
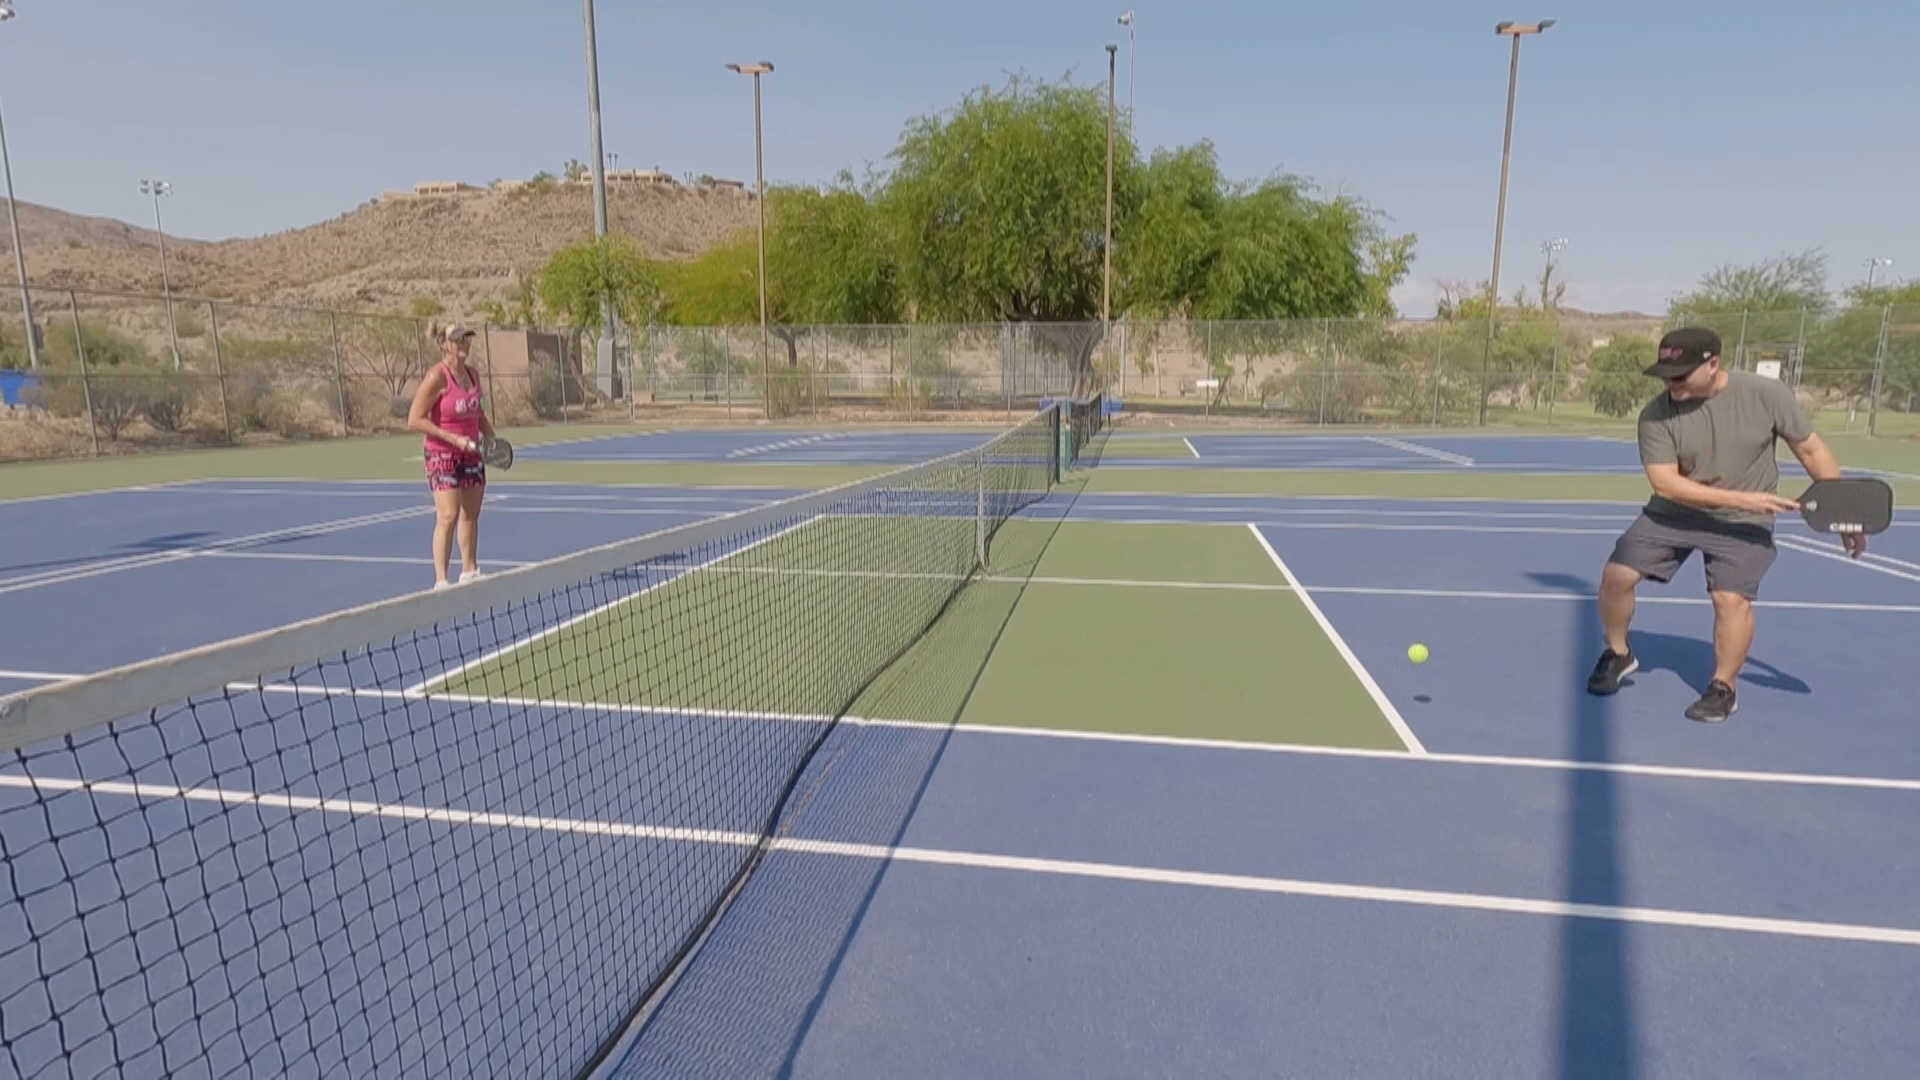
760	196
1516	31
13	222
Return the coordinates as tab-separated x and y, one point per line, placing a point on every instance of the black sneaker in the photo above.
1715	705
1609	671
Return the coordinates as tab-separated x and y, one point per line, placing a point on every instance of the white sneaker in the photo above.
470	575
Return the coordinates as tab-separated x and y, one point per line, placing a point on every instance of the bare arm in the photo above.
1815	457
423	399
1818	460
1669	484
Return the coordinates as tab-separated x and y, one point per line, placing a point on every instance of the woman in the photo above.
447	409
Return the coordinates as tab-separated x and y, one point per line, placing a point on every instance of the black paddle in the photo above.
1855	504
496	451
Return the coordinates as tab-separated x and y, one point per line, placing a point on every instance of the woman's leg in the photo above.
470	498
446	505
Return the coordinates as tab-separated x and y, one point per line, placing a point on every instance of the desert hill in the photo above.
460	248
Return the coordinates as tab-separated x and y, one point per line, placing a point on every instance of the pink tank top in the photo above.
457	411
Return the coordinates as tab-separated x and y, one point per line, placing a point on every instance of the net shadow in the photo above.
1596	1030
465	832
746	1003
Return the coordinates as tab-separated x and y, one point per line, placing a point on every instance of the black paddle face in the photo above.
1852	505
498	452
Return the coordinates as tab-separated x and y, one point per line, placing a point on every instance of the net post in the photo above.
980	511
1053	423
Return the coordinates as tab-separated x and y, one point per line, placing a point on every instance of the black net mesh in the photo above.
474	847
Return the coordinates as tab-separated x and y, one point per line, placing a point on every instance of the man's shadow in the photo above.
1690	658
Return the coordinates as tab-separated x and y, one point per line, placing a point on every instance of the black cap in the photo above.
1683	350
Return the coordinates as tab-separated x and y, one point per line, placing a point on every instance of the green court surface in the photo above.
1148	448
1382	484
1171	630
1185	631
714	629
397	458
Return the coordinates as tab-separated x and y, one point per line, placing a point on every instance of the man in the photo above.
1707	444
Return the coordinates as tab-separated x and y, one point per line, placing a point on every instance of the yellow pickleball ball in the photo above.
1417	653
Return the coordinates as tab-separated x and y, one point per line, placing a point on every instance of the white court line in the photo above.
974	860
1340	645
808	440
1512	905
137	562
36	676
161	486
1353	526
303	556
1189	446
591	511
307	493
497	492
1480	499
515	646
1254	504
1177	742
647	485
1795	544
1423	451
1876	557
1444	594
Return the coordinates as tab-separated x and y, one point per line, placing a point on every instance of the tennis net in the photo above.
466	832
1086	417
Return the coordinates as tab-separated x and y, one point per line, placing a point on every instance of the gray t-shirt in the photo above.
1726	441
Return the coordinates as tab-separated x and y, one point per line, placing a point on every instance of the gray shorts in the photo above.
1737	556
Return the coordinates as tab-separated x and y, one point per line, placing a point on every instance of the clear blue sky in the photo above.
1661	139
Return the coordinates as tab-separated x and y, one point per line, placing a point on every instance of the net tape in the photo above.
467	832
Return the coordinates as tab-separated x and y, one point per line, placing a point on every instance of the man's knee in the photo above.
1619	578
1730	603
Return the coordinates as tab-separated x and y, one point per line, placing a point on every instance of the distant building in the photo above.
442	187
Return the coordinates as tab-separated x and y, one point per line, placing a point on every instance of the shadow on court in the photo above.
747	1002
154	545
1688	657
1597	1029
1595	1024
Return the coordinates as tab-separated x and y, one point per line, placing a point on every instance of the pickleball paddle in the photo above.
1854	504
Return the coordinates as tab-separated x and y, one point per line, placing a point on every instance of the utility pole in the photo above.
1516	32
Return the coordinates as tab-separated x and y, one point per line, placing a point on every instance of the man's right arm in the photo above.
1661	462
1669	484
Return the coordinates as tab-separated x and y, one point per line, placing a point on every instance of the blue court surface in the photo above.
1542	884
1411	452
774	446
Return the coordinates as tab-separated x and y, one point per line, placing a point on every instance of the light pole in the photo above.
603	352
157	188
1875	264
1515	31
1106	249
1550	248
1126	20
760	195
13	221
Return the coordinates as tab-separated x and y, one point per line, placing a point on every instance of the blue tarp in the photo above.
12	383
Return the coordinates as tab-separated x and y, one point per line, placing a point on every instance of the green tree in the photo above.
995	211
1793	281
998	209
575	278
1616	382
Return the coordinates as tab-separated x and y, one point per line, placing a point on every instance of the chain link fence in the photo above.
125	373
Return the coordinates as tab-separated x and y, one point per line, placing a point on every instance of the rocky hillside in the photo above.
460	249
